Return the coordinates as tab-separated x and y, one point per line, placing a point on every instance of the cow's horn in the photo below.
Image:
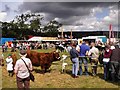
57	50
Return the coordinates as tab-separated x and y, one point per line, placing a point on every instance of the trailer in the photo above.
90	39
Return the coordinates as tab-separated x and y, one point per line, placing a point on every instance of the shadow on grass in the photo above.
69	72
41	71
55	63
101	76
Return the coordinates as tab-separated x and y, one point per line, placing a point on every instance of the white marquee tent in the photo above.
35	39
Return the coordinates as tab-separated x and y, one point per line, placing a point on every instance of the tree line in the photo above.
29	24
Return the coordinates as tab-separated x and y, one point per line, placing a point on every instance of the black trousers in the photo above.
115	70
10	72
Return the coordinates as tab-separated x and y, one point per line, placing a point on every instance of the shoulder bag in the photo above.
32	78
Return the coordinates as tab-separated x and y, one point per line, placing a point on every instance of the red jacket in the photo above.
107	54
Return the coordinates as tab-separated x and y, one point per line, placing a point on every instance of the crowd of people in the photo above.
80	55
26	45
84	53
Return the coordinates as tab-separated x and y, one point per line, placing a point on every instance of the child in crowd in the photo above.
9	62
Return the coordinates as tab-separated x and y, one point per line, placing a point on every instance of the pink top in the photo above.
21	69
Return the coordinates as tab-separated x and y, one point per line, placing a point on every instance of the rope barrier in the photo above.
66	64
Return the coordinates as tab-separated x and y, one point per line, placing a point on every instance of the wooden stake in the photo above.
71	35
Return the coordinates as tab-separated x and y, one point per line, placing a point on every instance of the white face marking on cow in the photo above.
58	58
64	57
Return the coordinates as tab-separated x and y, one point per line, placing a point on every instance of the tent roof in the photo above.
35	39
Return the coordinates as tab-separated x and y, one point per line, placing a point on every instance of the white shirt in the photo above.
12	45
112	47
9	62
21	69
94	52
69	48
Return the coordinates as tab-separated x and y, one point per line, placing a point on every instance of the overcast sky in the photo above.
73	15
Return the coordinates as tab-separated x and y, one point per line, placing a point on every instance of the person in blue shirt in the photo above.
74	58
83	51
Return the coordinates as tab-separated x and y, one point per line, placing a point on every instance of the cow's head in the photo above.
56	56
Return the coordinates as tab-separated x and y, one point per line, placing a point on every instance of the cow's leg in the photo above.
43	69
47	67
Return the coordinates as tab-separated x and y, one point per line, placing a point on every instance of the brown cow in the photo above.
34	57
43	59
47	59
40	59
14	57
1	60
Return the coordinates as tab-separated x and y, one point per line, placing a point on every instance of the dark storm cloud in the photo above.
58	9
88	4
63	10
37	5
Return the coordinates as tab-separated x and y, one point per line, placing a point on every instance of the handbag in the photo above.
32	78
106	59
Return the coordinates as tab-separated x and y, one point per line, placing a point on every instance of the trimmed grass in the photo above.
55	79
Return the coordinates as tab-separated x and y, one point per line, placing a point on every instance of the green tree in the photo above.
28	23
8	30
51	29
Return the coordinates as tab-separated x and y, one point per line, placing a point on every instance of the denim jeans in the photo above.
75	66
106	70
84	60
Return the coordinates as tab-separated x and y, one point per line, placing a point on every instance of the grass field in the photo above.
55	79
